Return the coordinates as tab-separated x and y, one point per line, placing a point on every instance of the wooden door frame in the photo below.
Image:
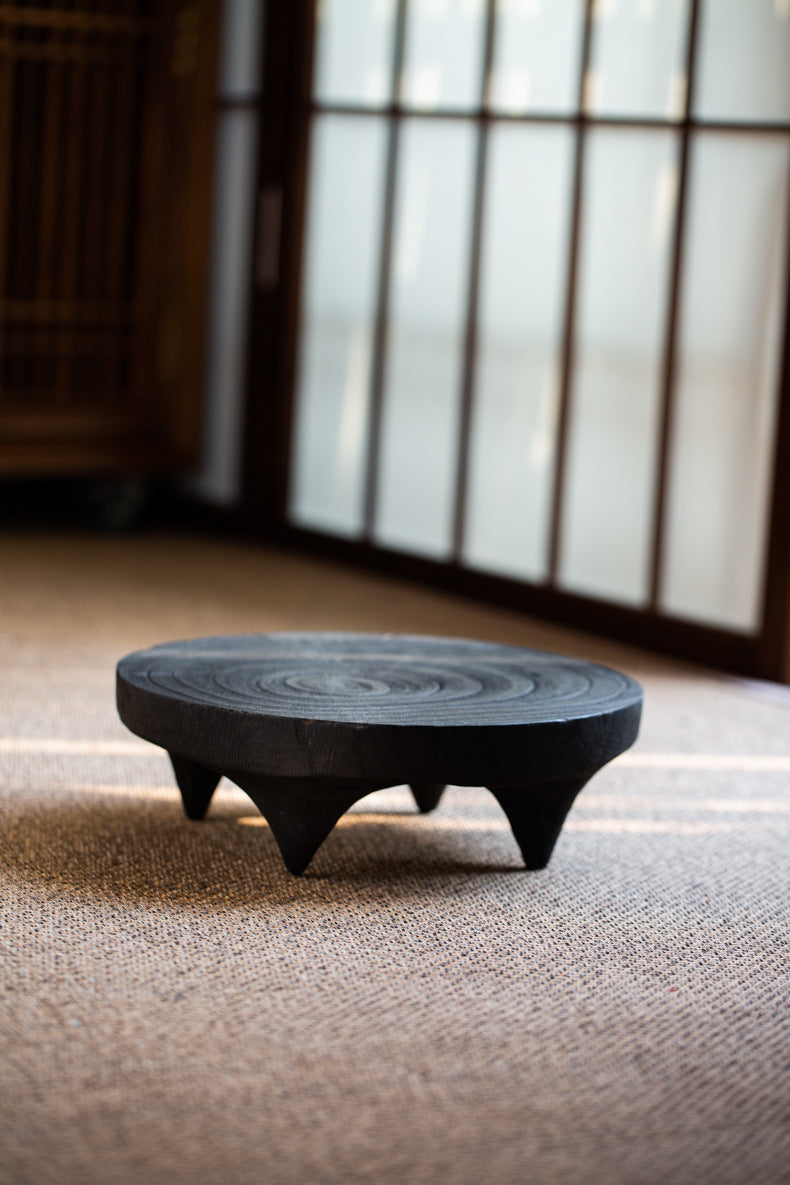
274	304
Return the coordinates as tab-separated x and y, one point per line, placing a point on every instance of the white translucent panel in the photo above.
443	60
729	353
628	219
428	300
637	58
218	478
354	46
242	43
536	56
744	60
524	273
338	310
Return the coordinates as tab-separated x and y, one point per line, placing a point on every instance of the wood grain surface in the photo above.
311	722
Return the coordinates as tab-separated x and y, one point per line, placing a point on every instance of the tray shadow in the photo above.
144	850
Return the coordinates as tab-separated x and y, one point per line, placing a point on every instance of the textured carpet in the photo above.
175	1007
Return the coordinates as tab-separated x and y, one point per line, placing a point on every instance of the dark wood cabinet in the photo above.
106	156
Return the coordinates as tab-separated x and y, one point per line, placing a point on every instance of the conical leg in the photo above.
427	795
536	813
300	812
196	783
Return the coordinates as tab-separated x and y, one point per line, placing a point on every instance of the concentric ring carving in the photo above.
370	679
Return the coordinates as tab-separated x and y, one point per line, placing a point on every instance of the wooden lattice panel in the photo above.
84	227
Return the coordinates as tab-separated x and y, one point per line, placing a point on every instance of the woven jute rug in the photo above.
174	1007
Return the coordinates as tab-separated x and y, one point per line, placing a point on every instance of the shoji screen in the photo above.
544	290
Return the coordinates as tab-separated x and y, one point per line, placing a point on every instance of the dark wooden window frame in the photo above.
287	110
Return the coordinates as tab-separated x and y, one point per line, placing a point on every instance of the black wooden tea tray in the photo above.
308	723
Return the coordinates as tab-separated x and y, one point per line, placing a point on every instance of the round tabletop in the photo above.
378	706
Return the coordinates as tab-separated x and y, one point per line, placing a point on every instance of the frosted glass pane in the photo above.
444	53
421	404
354	43
744	60
240	61
536	55
524	271
730	337
637	62
628	219
337	322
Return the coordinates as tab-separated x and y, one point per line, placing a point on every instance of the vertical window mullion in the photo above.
470	333
669	368
564	403
383	288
